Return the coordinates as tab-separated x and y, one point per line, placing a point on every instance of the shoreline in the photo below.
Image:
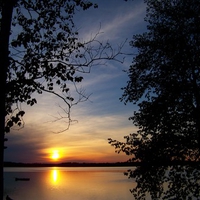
70	164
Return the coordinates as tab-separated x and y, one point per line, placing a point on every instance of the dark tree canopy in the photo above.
164	81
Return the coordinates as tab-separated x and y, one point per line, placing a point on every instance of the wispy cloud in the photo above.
114	23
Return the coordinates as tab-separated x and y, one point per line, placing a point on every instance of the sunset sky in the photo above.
100	118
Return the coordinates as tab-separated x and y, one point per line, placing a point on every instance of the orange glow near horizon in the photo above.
55	154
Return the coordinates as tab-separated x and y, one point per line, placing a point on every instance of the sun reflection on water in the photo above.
55	176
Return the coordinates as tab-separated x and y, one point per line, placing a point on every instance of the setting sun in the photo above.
55	155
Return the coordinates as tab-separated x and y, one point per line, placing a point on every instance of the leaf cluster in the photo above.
15	119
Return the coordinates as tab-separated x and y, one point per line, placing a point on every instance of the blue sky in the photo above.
100	118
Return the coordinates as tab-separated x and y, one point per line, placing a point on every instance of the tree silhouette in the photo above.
164	82
41	52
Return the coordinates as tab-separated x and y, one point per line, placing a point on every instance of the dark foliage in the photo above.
164	81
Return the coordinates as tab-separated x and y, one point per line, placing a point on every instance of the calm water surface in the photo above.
67	183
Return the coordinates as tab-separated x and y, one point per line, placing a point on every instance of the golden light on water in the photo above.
55	175
56	178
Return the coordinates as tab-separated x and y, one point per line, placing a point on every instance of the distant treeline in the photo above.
69	164
117	164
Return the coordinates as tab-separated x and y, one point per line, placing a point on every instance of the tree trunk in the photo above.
7	10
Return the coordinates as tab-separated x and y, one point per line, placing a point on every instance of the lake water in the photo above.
67	183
